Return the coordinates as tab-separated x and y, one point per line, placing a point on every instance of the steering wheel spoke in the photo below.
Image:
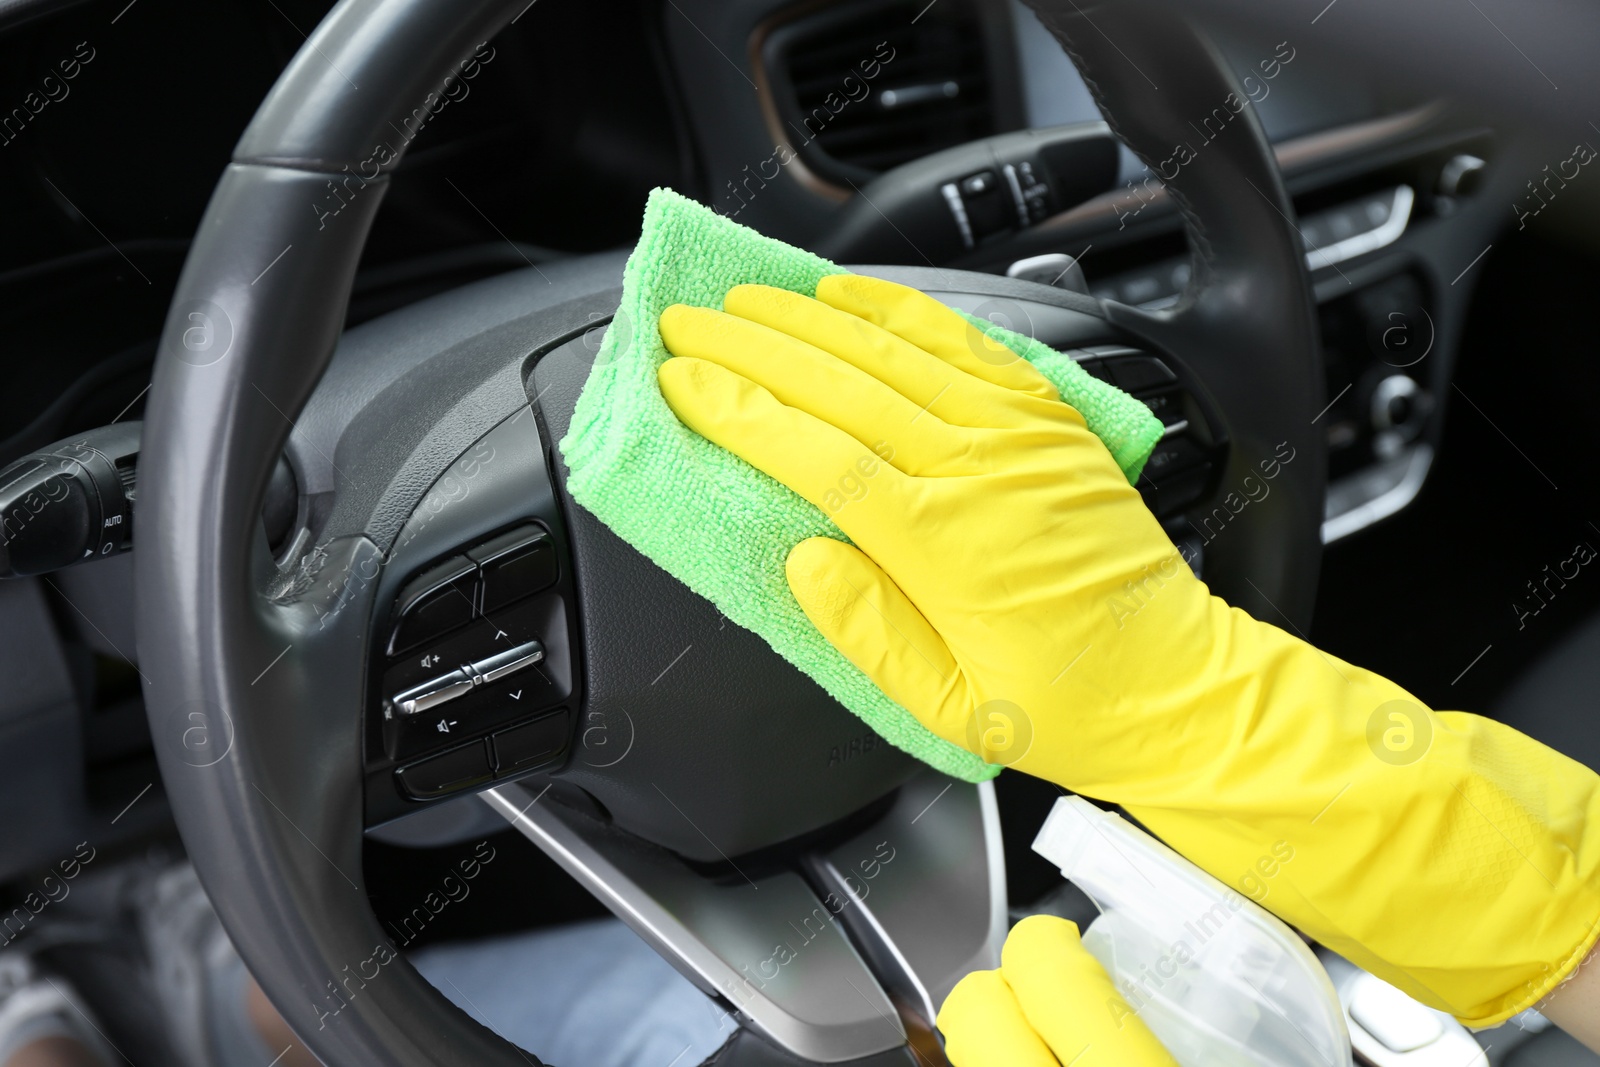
836	953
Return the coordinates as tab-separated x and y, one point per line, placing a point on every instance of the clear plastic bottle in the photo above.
1220	981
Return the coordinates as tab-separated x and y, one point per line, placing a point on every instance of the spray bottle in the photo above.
1220	981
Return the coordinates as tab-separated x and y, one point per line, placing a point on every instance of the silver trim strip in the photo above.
837	881
1016	199
909	95
1359	500
935	913
914	910
433	692
994	848
1368	240
958	208
820	1002
510	661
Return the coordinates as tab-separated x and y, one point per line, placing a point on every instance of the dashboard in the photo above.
1319	96
116	119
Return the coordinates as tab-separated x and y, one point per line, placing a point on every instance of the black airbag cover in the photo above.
728	747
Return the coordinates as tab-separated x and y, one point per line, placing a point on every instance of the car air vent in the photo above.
859	89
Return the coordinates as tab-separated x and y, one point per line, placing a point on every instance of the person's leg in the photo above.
47	1035
42	1021
589	992
55	1051
216	1015
271	1028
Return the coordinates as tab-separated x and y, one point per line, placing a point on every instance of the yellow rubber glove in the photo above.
1010	589
1050	1003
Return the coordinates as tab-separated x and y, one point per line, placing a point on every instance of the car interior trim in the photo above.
1386	233
1371	495
818	1000
1294	156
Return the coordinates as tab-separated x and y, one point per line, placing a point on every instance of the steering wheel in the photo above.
277	677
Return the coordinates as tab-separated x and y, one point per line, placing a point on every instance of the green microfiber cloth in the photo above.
711	520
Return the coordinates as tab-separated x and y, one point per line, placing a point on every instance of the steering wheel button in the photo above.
432	693
508	662
1168	406
1173	454
523	747
1175	492
1134	373
1096	368
515	565
434	603
461	768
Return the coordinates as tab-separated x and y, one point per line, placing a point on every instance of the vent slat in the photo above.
946	45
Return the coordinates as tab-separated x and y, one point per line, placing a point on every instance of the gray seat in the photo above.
1551	1049
1558	700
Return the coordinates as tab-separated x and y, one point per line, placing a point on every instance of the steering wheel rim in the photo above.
1246	323
267	801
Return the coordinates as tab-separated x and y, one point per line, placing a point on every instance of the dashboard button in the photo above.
515	565
447	773
523	747
978	184
435	602
1141	287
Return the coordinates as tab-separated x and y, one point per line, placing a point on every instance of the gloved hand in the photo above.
1050	1003
1009	588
